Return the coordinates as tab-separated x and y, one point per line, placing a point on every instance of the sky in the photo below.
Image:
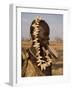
55	22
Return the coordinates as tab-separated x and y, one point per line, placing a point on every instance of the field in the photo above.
57	67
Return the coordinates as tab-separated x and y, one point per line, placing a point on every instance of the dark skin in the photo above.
44	37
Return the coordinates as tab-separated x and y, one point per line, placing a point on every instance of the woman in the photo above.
37	60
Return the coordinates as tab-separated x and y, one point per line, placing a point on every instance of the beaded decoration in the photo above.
40	62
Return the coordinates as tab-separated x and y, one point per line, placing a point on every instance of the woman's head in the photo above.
43	34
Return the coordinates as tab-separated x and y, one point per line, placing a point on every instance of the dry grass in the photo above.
57	68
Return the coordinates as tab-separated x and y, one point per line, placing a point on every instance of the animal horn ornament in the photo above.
40	62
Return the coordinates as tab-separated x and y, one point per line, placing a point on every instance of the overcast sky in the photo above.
55	22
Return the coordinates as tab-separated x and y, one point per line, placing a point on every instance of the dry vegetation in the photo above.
57	68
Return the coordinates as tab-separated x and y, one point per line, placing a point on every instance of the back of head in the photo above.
42	24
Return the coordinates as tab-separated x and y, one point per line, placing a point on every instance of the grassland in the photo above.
57	67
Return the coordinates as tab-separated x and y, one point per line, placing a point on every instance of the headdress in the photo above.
40	62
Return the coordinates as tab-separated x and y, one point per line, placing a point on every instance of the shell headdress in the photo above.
40	62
